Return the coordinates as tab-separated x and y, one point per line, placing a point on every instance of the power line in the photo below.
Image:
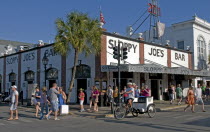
139	18
140	25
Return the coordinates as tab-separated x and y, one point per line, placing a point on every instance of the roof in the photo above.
14	43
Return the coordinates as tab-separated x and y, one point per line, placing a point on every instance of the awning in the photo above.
151	68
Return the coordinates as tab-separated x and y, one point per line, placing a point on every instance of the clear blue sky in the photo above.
33	20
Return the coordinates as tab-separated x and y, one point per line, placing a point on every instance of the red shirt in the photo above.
82	96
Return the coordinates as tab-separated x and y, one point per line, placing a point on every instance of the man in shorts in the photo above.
52	94
198	95
131	94
14	103
179	94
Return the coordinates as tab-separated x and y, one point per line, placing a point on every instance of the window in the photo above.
201	48
180	45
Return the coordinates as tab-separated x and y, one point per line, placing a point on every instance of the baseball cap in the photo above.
134	84
14	86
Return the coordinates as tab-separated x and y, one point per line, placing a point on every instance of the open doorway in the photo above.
154	89
51	83
82	83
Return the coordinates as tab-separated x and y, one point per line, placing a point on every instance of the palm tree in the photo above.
79	34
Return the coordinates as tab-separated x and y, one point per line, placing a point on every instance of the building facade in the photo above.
192	35
152	64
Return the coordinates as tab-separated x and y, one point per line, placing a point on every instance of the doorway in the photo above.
82	83
51	83
154	89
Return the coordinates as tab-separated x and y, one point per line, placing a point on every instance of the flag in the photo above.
160	29
102	18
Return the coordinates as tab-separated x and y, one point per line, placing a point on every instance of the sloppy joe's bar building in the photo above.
152	64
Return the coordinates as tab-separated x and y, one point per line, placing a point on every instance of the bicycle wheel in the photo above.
135	113
151	111
119	112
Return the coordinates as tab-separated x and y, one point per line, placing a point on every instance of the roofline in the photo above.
104	33
141	41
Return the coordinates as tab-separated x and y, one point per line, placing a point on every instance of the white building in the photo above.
193	35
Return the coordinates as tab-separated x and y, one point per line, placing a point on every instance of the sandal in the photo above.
10	119
16	119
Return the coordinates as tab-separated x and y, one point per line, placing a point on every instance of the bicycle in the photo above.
122	109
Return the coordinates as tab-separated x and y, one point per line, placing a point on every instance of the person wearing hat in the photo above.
81	99
14	103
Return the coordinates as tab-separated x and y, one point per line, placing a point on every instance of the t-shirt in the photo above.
14	93
53	94
178	91
37	94
132	94
95	92
203	88
170	91
115	94
43	98
109	92
137	92
198	93
145	92
82	95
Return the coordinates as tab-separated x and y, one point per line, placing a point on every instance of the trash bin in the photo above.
165	96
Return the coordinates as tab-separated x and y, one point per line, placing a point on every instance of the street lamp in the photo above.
45	61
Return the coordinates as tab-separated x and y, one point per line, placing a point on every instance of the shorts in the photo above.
109	99
13	106
81	102
178	97
171	96
199	100
95	100
54	106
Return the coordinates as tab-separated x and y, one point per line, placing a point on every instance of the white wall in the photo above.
11	65
133	50
54	62
90	61
179	59
155	54
2	71
28	62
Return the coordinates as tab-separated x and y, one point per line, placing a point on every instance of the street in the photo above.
165	121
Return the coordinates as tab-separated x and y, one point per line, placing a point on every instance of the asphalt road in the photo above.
168	121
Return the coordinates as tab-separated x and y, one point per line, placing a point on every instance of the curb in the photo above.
170	108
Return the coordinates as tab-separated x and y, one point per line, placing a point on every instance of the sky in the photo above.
33	20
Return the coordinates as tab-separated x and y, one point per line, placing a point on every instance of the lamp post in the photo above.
45	61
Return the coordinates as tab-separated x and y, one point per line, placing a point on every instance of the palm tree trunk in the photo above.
73	74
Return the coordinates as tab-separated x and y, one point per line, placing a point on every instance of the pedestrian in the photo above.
131	94
109	95
137	90
61	99
13	103
179	94
37	97
44	102
207	92
145	91
54	101
81	99
91	97
198	95
203	88
125	95
171	94
95	98
190	99
115	95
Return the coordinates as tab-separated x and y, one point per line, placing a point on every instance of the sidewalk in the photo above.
102	113
106	111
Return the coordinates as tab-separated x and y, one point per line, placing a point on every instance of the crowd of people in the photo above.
56	97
